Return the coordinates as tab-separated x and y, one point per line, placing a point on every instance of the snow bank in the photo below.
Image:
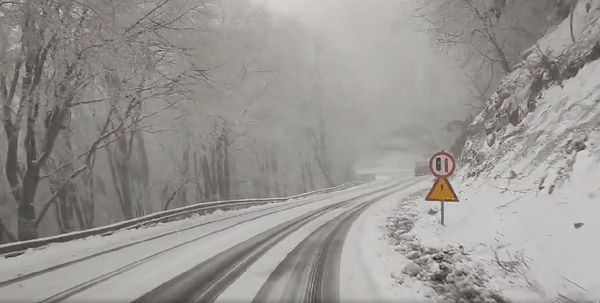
555	237
499	243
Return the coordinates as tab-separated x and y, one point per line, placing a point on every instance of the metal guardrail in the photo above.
16	248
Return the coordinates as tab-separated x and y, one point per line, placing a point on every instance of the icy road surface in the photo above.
296	251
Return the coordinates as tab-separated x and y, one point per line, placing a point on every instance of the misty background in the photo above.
118	109
406	88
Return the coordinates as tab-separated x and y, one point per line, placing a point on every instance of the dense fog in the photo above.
404	88
116	109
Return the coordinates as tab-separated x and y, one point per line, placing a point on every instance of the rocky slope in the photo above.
544	112
526	227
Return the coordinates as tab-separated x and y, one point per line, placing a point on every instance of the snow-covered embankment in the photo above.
526	227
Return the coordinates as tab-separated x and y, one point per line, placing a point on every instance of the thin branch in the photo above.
579	286
147	15
175	192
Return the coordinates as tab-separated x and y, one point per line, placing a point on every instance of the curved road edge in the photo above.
206	281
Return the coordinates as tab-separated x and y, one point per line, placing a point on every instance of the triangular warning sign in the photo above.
441	191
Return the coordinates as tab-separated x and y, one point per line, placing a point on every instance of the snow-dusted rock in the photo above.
413	255
400	248
398	234
412	269
407	237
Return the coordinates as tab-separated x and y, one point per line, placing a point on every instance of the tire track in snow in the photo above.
37	273
310	272
206	281
91	283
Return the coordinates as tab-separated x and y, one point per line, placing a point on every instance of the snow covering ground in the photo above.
128	287
498	244
527	226
59	253
367	261
249	284
193	247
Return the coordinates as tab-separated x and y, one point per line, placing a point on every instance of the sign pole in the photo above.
442	211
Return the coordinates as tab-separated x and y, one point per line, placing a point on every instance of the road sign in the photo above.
442	164
442	191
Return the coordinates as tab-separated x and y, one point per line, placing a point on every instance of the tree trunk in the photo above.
118	163
304	184
225	180
26	224
88	203
571	22
208	194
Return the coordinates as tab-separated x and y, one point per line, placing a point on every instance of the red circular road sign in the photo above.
442	165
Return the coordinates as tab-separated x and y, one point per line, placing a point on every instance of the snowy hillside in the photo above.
526	227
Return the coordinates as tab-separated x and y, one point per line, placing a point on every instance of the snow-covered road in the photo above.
291	251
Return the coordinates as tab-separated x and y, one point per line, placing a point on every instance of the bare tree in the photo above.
470	25
83	79
44	73
484	34
27	97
